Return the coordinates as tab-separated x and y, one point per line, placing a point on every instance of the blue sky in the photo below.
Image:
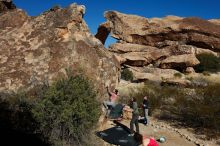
207	9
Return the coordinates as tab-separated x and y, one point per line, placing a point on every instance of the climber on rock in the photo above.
111	103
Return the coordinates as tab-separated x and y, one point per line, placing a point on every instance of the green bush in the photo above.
68	111
127	75
201	110
206	73
177	75
208	62
189	78
62	114
152	91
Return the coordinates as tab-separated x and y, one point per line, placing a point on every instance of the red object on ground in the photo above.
152	142
149	141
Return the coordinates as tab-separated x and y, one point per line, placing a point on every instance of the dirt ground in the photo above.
173	138
179	136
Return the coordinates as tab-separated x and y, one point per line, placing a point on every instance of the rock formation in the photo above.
37	50
140	30
103	32
160	43
6	5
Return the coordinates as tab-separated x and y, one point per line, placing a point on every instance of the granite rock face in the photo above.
37	50
161	43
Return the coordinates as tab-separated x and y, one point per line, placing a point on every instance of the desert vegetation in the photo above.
178	75
208	63
198	108
61	114
127	75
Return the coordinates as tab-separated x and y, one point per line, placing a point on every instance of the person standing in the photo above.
111	103
135	115
145	108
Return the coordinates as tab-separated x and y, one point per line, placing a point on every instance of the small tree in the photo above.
127	75
177	75
67	111
208	62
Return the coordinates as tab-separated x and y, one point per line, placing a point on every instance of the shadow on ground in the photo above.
118	135
11	137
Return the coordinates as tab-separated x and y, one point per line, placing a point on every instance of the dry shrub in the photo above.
198	107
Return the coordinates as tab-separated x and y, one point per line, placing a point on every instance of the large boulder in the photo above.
180	62
138	55
152	73
128	47
170	43
122	25
163	76
139	30
182	49
43	49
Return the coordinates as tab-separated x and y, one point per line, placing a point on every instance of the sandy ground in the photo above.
173	138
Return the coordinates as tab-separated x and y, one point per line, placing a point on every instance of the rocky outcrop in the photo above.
138	55
6	5
215	21
163	43
42	49
139	30
180	62
121	48
103	32
13	19
152	74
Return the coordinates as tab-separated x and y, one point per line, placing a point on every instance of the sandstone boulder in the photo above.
103	32
138	55
168	43
37	50
188	49
123	25
152	73
136	59
190	70
180	62
139	30
215	21
119	59
128	47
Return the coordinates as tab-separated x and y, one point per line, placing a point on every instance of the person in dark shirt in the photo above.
145	108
